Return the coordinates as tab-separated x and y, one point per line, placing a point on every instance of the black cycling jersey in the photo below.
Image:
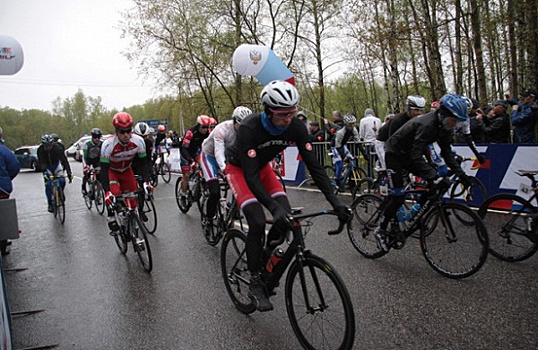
411	141
254	147
92	153
392	126
48	158
192	143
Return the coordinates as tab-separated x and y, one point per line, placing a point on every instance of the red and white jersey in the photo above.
121	156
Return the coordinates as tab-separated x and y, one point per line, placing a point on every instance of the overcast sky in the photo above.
69	45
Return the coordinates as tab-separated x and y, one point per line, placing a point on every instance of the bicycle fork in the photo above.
310	309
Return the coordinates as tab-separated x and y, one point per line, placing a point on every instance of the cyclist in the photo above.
51	157
212	124
405	150
259	138
332	128
160	144
339	150
214	161
415	107
190	150
91	159
117	156
143	130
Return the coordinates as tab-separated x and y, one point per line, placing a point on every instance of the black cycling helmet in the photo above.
96	133
46	139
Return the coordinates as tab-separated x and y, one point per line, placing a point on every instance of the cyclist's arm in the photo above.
419	163
105	165
219	145
448	155
42	157
185	145
63	159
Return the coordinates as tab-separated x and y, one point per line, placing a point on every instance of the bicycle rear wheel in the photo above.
507	218
319	306
457	246
141	247
233	261
165	173
366	216
366	185
475	195
99	198
87	199
153	175
184	207
121	241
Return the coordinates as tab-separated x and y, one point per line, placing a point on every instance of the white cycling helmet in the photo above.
349	119
416	102
142	129
240	113
279	94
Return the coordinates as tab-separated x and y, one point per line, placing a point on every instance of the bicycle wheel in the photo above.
141	243
455	248
507	218
121	240
475	195
365	186
366	216
319	306
184	207
329	169
99	198
233	261
165	173
151	214
153	175
87	199
61	205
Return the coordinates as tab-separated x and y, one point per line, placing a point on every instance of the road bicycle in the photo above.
226	216
194	190
146	207
512	221
351	177
162	168
317	301
94	192
58	196
453	238
132	230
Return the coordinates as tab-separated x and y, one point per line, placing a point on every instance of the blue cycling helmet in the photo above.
456	105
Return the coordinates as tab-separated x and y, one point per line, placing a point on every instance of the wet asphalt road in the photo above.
96	298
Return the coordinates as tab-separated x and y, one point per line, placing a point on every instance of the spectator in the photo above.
332	128
316	134
369	126
524	116
302	117
477	130
9	168
496	124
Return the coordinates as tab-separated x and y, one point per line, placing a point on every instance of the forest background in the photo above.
346	55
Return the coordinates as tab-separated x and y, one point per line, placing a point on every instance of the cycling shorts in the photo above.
240	189
123	182
210	168
185	163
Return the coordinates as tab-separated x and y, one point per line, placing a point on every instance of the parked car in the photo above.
71	150
77	149
27	157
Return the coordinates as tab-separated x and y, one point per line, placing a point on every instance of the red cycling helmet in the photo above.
213	121
203	120
161	128
122	120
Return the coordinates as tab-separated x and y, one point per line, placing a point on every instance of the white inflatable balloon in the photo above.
260	62
11	56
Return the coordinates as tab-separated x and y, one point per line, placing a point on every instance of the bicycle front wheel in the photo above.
150	215
457	246
319	306
233	262
141	243
61	205
183	206
366	215
99	198
87	199
507	218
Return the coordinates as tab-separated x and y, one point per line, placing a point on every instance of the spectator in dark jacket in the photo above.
316	134
496	123
524	117
9	168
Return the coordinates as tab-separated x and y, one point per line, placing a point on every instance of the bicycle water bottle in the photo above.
274	259
383	184
192	184
415	209
403	214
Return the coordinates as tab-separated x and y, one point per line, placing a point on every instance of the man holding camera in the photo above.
524	117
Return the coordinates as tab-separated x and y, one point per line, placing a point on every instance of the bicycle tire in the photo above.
328	322
87	200
506	218
100	204
367	185
233	261
477	191
121	241
329	170
366	218
61	205
151	214
165	173
458	250
143	250
184	208
153	176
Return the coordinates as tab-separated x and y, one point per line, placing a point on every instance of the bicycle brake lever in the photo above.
338	230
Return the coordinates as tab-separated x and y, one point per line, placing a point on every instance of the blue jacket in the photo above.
524	122
9	168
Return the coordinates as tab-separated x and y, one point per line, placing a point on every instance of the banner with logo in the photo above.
11	55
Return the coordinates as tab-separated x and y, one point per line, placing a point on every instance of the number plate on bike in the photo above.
526	189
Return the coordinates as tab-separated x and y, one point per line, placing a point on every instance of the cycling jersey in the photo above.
51	159
392	126
92	152
254	147
342	137
192	143
215	144
119	156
